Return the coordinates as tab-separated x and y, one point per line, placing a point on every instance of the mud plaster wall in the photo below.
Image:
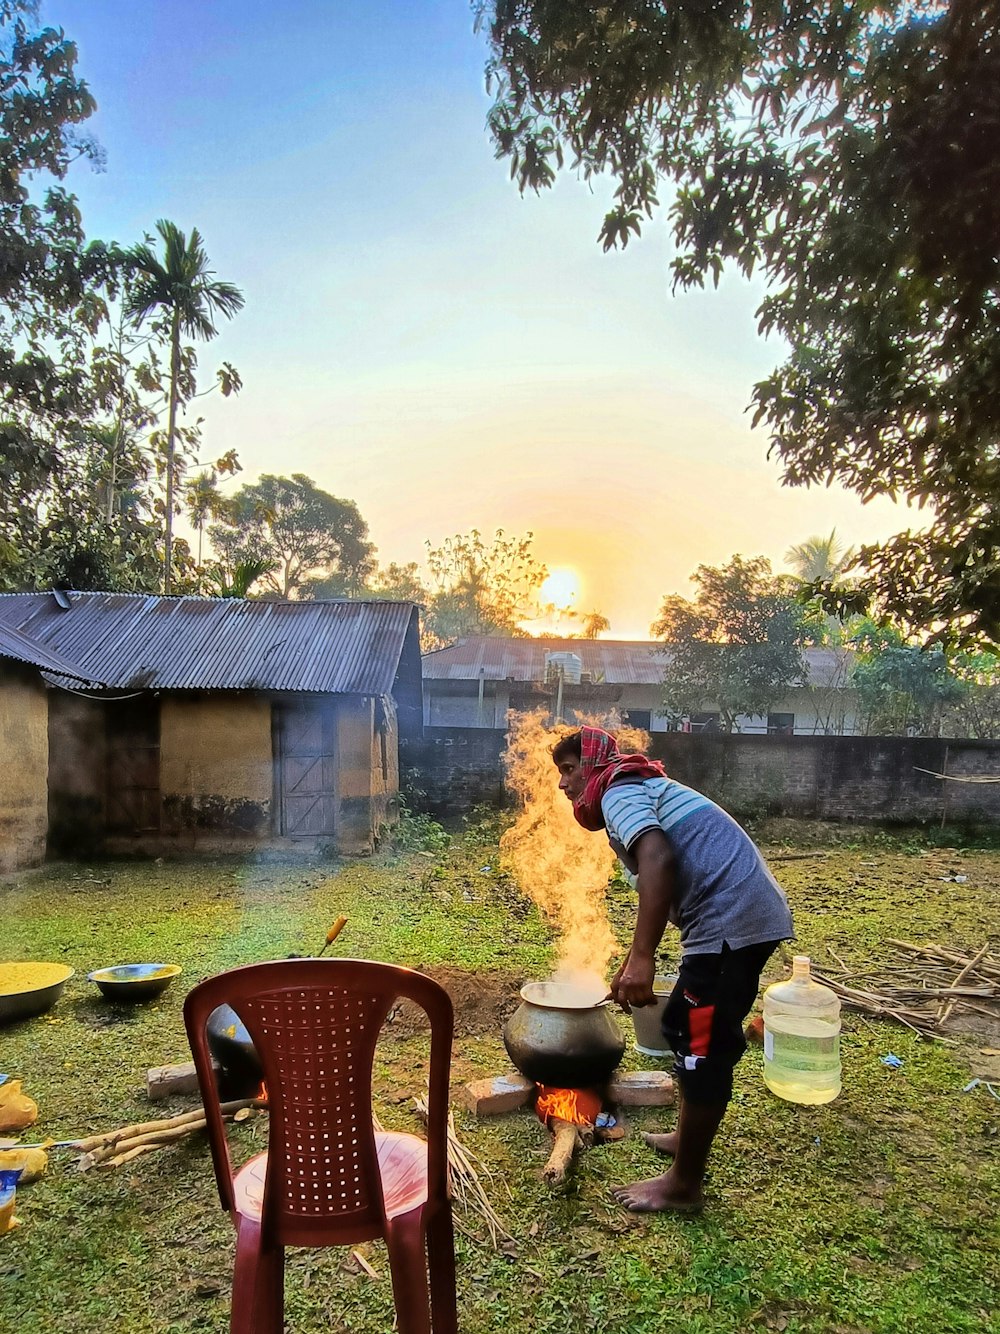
361	789
77	775
24	763
216	763
384	767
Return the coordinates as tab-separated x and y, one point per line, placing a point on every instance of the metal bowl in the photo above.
27	989
134	981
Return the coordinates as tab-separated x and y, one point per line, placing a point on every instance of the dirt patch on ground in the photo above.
483	1002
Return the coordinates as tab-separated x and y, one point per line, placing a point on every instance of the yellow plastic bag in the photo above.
32	1163
17	1110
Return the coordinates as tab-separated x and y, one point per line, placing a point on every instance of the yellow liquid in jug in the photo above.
802	1058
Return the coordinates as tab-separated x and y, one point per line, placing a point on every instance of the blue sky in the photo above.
417	337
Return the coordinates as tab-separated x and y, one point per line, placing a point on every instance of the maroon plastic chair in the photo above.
328	1178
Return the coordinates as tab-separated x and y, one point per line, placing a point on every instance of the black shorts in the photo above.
704	1017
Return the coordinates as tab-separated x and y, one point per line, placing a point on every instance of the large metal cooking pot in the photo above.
231	1045
560	1036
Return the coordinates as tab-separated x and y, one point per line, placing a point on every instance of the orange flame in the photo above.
580	1107
261	1094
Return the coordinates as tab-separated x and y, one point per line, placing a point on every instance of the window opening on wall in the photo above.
780	724
704	722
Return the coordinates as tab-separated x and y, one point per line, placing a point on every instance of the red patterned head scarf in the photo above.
602	762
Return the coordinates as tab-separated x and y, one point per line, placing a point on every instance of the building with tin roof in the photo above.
475	681
213	723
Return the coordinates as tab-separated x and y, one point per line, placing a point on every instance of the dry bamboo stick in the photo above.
797	856
372	1273
872	1003
988	964
936	993
947	1006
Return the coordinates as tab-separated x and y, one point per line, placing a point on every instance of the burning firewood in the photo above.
570	1115
567	1139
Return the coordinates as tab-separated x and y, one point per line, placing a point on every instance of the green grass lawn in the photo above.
876	1213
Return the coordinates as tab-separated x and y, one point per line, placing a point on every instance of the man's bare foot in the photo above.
657	1194
662	1143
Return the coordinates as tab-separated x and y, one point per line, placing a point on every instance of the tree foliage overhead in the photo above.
481	587
81	389
310	542
735	646
181	296
848	152
901	687
51	298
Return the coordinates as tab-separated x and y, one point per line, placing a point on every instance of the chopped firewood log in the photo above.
116	1146
568	1138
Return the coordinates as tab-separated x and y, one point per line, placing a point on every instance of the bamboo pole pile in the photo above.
116	1147
923	989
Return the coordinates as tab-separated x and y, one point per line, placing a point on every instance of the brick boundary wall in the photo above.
864	779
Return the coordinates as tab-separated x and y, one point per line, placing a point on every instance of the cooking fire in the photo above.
571	1115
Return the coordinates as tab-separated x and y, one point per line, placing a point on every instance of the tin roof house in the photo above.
475	681
218	723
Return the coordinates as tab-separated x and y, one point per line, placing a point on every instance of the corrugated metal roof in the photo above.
133	640
614	662
21	648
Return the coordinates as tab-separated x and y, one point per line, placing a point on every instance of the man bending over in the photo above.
697	869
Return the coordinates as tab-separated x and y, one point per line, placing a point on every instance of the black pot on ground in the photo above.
230	1044
559	1036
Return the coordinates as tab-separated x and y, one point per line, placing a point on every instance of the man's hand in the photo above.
632	985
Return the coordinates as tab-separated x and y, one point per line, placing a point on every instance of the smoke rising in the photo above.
561	866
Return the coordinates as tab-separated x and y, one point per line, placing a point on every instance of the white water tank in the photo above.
569	664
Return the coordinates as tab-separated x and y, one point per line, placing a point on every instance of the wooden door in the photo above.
133	774
307	779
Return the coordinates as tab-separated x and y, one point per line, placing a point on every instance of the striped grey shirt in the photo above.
724	893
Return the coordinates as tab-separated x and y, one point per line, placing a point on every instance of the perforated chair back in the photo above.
315	1024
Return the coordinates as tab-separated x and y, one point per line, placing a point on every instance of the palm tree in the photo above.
237	582
181	287
595	624
204	501
819	558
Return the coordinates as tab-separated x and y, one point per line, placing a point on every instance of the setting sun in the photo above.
561	587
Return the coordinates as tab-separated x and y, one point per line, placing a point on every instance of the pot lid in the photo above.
563	995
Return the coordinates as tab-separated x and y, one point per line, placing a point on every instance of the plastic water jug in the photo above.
802	1038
